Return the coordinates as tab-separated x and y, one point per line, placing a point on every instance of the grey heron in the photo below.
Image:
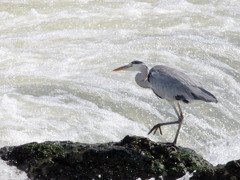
170	84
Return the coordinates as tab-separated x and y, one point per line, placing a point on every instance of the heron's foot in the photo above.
155	128
172	146
168	144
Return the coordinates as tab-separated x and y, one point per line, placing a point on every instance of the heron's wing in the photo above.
172	84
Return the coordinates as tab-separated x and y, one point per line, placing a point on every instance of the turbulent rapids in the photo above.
57	83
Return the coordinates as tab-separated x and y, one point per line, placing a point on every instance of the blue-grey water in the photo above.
57	83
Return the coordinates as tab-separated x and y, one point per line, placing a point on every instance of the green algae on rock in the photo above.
131	158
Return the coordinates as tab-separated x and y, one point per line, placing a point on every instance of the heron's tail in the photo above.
205	95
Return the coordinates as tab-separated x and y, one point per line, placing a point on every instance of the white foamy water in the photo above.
57	83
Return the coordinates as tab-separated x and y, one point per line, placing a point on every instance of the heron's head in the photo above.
132	66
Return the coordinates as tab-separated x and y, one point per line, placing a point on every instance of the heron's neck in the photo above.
142	77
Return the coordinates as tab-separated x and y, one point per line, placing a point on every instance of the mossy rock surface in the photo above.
132	158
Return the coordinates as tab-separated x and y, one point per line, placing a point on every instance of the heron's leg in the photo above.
180	120
158	126
175	109
180	110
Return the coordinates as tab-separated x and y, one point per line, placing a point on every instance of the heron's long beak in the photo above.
122	68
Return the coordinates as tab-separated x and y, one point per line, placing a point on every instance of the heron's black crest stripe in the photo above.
181	98
137	62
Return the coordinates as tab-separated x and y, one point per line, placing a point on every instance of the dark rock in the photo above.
230	171
131	158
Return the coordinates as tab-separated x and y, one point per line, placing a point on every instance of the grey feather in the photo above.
172	84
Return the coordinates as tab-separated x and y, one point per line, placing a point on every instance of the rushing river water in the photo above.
57	83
